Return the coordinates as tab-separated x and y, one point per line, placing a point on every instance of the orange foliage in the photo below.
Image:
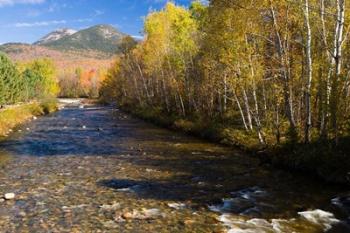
91	64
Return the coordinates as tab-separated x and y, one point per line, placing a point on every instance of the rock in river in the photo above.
177	206
144	214
9	196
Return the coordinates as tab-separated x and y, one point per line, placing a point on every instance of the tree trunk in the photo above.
288	100
241	111
225	94
338	41
326	84
308	73
247	108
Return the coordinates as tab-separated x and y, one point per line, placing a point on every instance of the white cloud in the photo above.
54	7
40	24
13	2
46	23
97	13
82	20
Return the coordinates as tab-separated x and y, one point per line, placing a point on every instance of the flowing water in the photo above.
96	169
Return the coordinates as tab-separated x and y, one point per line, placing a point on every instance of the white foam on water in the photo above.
69	101
310	220
225	205
282	225
319	217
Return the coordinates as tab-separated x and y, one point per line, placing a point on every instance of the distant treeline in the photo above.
81	83
26	81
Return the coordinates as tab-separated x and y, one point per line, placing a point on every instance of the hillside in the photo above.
64	60
102	38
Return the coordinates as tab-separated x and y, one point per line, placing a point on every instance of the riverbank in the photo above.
319	159
13	116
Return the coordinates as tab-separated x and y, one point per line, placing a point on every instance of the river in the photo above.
96	169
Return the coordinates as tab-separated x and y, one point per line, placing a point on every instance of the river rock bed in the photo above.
119	174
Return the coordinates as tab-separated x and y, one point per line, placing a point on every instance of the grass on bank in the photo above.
16	115
321	159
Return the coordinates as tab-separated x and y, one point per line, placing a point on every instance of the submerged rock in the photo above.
111	207
128	215
144	214
110	224
132	189
189	221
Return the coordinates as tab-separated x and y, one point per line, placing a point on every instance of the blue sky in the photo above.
29	20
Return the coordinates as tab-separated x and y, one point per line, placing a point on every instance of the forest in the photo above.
24	82
266	75
80	82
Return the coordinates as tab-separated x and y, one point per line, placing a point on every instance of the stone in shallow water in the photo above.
9	196
22	214
189	221
110	224
144	214
177	206
111	207
128	215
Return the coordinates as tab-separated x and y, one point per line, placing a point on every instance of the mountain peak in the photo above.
104	38
104	30
55	35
